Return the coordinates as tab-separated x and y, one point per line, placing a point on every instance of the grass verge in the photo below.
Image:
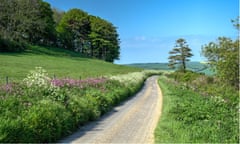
189	117
168	129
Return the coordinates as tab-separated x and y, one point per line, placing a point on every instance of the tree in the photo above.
74	29
180	54
223	56
26	20
104	40
236	23
57	15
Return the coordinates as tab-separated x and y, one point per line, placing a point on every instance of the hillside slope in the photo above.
57	62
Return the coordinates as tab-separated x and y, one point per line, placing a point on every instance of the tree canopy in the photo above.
35	22
223	56
104	40
26	20
73	29
180	55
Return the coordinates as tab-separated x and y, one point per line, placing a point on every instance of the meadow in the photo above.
59	63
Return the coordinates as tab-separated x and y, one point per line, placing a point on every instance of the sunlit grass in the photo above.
59	63
168	130
189	117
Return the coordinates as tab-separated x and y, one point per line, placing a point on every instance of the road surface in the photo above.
133	121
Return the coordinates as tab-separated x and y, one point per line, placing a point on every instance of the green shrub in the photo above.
10	130
7	45
184	77
47	121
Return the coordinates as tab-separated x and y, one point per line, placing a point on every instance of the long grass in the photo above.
168	129
190	117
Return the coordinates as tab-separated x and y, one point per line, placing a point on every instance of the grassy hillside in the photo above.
194	66
58	62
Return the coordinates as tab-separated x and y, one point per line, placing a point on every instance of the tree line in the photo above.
34	22
222	56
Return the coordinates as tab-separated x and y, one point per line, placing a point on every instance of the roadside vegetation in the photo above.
199	108
44	109
196	109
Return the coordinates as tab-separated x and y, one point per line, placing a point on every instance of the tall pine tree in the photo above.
180	55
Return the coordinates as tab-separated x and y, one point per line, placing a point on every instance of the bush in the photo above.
46	121
184	77
10	129
7	45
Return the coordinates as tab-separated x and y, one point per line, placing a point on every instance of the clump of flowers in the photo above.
134	77
78	83
130	78
38	77
6	88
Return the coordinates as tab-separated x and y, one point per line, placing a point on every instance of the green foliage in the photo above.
41	110
26	20
223	56
207	119
57	15
184	77
104	40
180	54
34	22
7	45
74	28
44	122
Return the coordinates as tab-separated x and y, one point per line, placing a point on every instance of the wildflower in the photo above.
38	77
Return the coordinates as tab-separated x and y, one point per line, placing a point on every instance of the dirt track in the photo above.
132	122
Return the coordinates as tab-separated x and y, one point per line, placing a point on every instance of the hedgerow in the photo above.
201	110
41	109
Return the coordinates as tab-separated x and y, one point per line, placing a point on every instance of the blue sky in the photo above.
148	28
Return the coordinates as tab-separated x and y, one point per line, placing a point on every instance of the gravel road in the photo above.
133	121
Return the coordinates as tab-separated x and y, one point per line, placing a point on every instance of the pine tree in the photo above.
180	55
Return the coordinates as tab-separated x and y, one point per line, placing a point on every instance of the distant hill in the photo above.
194	66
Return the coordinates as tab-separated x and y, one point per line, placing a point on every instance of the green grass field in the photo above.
58	62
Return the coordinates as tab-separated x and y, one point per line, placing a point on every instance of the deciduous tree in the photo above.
26	20
104	40
74	29
223	56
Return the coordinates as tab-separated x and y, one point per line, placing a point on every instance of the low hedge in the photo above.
39	114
